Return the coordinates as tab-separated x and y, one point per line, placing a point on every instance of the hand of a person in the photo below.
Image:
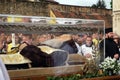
116	56
88	55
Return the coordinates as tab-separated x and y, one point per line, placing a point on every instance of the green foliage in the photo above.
100	4
72	77
111	4
75	77
103	5
94	6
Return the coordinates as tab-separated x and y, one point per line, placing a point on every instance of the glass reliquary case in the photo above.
34	41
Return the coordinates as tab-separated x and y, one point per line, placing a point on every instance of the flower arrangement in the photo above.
110	64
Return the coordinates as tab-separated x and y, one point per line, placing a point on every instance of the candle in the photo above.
13	39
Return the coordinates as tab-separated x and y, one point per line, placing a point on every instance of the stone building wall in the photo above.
42	9
24	8
116	16
80	9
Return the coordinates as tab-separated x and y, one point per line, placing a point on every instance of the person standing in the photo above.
110	47
86	49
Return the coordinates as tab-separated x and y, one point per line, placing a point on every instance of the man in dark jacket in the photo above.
110	47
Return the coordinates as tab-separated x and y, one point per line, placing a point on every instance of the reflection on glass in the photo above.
38	43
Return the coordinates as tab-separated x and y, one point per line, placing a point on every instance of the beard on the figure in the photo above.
110	38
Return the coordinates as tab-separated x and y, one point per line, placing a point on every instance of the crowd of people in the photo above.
61	41
84	44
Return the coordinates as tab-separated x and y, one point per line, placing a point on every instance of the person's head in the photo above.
116	38
88	41
101	36
42	38
80	40
3	37
75	37
95	35
27	38
17	39
110	34
9	39
84	36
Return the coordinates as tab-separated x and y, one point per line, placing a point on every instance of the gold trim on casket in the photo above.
14	59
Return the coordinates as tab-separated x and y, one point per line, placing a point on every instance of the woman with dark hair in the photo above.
38	58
